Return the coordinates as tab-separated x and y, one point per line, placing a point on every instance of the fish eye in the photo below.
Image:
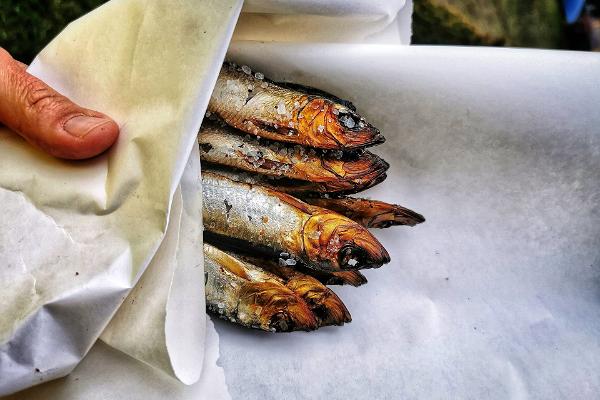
351	257
348	120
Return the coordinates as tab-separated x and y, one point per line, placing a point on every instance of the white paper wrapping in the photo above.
76	236
159	322
314	21
495	296
106	373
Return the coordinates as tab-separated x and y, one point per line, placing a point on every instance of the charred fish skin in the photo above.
369	213
322	239
353	278
263	108
294	187
327	307
233	293
223	145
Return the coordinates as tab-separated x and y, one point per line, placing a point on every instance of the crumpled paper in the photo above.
76	236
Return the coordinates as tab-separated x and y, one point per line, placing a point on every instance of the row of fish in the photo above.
279	161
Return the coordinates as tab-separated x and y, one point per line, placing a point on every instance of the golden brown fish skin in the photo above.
353	278
266	109
294	187
335	241
223	145
233	293
322	239
327	307
323	302
369	213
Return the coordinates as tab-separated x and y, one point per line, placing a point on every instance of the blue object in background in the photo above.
573	9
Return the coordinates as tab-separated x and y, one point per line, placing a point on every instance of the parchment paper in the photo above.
75	237
496	295
106	373
313	21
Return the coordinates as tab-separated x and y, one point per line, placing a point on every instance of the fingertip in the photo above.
99	139
85	137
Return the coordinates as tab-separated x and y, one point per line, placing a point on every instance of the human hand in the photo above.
47	119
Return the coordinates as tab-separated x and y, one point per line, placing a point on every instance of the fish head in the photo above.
276	307
340	243
327	307
334	126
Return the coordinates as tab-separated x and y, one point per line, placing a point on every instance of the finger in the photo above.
49	120
21	65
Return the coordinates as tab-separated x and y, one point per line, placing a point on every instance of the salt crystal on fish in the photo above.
290	261
264	85
352	262
315	235
246	69
321	128
284	254
282	262
207	114
335	111
281	108
259	76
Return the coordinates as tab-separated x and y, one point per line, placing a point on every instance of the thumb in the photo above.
49	120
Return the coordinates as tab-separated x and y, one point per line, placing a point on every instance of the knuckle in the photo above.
39	97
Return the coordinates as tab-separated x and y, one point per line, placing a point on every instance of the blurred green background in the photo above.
26	25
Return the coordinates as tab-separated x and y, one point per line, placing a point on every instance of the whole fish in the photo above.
327	307
294	187
322	239
223	145
288	113
233	293
369	213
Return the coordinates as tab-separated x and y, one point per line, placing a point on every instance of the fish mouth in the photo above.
327	307
340	243
293	317
362	251
282	310
353	278
331	311
398	216
357	132
277	308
